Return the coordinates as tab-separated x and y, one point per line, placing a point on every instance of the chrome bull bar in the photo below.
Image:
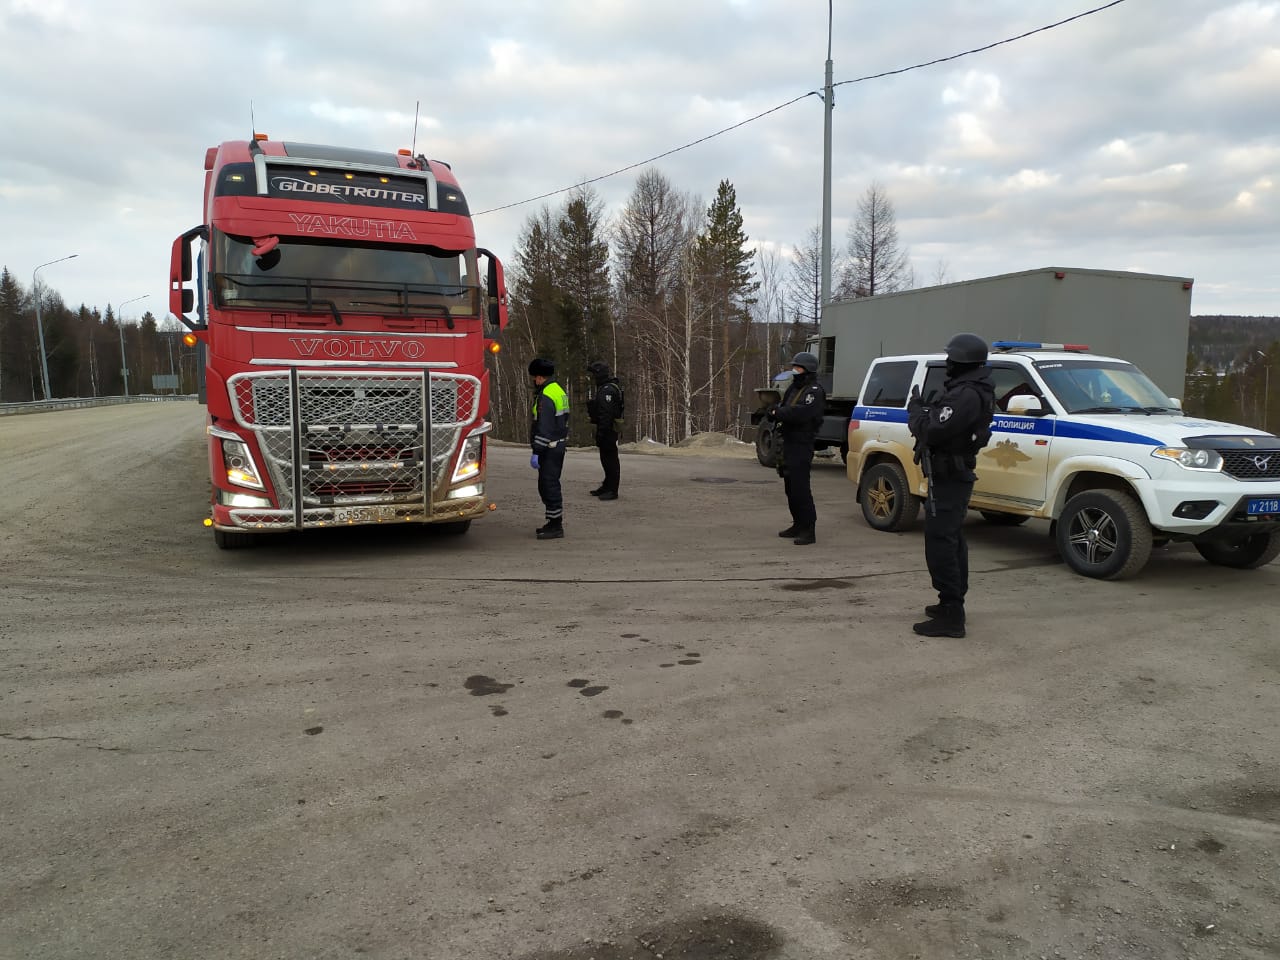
355	446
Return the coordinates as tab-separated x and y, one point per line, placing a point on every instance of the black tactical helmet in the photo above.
541	367
806	360
967	348
599	369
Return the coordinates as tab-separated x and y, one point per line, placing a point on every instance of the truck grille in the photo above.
1251	464
358	439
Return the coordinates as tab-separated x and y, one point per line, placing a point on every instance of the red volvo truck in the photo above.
344	321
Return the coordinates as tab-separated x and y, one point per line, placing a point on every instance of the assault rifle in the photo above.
922	456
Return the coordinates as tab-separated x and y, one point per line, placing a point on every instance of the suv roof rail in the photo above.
1006	346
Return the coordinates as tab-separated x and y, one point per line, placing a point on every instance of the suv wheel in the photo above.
1104	534
887	504
767	441
1255	551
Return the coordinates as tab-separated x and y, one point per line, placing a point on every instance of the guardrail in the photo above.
76	403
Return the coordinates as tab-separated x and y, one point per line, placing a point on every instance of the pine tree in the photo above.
10	336
727	279
585	317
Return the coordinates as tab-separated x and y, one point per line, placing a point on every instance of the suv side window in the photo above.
934	378
889	384
1009	381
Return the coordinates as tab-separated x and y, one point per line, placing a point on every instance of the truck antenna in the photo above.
253	126
414	146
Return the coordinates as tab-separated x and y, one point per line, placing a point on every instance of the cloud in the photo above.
1141	135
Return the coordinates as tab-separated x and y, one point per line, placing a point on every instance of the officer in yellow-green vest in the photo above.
548	434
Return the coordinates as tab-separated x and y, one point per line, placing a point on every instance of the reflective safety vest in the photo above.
550	424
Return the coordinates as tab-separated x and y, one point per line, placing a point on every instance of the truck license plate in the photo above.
1260	506
363	514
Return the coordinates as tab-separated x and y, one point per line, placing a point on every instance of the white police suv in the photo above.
1089	443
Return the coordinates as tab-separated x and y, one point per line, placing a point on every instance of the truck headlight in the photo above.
241	470
1197	459
469	460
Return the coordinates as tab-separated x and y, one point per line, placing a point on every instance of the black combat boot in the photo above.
949	622
597	491
608	495
804	537
791	531
936	610
551	530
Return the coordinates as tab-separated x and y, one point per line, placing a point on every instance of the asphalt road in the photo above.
670	734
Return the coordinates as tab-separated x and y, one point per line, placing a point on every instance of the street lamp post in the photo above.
124	366
44	358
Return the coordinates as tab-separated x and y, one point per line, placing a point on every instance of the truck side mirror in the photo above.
1026	406
497	291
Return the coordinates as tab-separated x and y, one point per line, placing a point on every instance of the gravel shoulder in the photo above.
670	733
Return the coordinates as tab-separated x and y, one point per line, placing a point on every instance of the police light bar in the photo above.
1035	345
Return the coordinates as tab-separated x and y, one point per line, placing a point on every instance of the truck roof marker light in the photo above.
494	347
402	152
1058	275
261	136
190	339
1186	284
349	176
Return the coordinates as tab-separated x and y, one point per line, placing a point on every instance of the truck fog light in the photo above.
474	490
229	499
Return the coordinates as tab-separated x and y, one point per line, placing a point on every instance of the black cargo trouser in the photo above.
797	460
550	463
607	441
945	549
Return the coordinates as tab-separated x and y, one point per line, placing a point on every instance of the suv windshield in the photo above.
1103	386
322	276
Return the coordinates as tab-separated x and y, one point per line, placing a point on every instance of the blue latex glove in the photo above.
533	461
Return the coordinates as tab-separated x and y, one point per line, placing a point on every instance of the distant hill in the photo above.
1220	342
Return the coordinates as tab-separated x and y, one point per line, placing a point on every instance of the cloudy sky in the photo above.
1142	137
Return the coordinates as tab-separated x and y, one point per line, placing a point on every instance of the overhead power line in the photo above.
794	100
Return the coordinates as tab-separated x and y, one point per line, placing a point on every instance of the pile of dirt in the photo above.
698	445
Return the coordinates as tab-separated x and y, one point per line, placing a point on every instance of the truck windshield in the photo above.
1103	386
327	277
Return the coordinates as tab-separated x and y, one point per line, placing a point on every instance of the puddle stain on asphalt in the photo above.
498	710
482	686
720	936
583	687
312	731
827	584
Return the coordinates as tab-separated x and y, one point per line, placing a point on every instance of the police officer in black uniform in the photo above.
949	432
799	416
605	410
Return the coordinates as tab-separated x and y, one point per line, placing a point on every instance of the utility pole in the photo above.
44	358
827	104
